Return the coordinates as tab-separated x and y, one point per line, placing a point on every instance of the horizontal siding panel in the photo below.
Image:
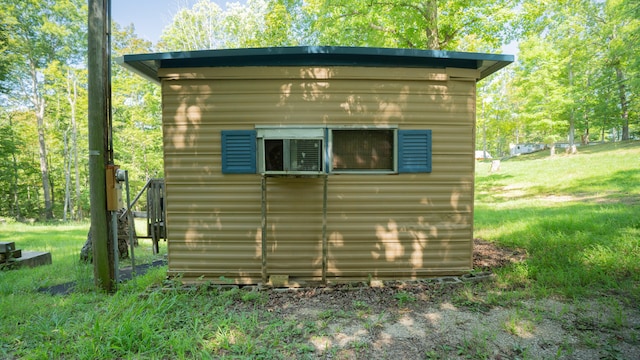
407	225
273	99
198	178
280	230
336	229
294	72
227	91
459	259
204	164
409	229
446	131
280	209
211	163
216	258
213	249
341	193
307	115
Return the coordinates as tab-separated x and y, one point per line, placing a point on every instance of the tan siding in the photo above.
383	226
260	73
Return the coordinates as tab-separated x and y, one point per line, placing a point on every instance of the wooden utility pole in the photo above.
99	141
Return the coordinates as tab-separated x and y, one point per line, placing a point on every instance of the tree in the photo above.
497	117
67	93
40	32
424	24
620	23
18	172
137	113
575	51
206	26
8	167
5	59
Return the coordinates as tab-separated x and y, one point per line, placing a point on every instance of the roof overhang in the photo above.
147	65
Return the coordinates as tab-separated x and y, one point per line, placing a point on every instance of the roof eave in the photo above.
147	65
147	69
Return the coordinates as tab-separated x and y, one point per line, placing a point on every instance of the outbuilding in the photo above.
306	165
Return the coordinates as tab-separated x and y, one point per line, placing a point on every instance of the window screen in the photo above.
359	149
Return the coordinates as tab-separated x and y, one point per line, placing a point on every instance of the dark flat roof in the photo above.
148	65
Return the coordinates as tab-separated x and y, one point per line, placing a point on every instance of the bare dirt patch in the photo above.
487	256
436	319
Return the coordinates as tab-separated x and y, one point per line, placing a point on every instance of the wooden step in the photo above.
13	254
6	247
34	258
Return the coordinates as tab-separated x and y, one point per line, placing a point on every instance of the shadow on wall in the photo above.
382	222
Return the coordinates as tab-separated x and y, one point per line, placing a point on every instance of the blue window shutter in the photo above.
239	152
414	151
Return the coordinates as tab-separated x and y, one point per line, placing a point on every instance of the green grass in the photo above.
578	218
142	319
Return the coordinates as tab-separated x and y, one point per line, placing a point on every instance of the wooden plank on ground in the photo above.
13	254
34	258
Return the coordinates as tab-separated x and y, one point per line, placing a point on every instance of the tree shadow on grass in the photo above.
574	249
124	274
622	186
485	186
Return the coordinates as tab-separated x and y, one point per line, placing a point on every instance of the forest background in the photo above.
576	79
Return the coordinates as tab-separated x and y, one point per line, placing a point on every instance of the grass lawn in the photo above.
577	217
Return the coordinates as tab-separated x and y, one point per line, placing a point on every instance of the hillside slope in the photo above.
578	217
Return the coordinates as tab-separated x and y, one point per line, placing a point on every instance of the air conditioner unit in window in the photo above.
291	151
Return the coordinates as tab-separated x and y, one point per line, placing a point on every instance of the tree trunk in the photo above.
431	15
39	104
572	117
623	103
44	166
67	177
86	253
16	200
72	98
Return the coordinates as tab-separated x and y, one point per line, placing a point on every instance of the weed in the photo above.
519	323
362	309
565	349
589	339
361	305
359	345
253	296
304	348
404	297
617	318
432	355
375	323
332	314
467	297
611	352
473	349
520	351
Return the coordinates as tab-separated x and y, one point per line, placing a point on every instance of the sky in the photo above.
149	17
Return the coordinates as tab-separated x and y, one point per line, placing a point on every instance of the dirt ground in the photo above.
457	318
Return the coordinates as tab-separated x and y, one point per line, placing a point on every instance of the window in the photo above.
292	155
295	151
313	151
363	150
